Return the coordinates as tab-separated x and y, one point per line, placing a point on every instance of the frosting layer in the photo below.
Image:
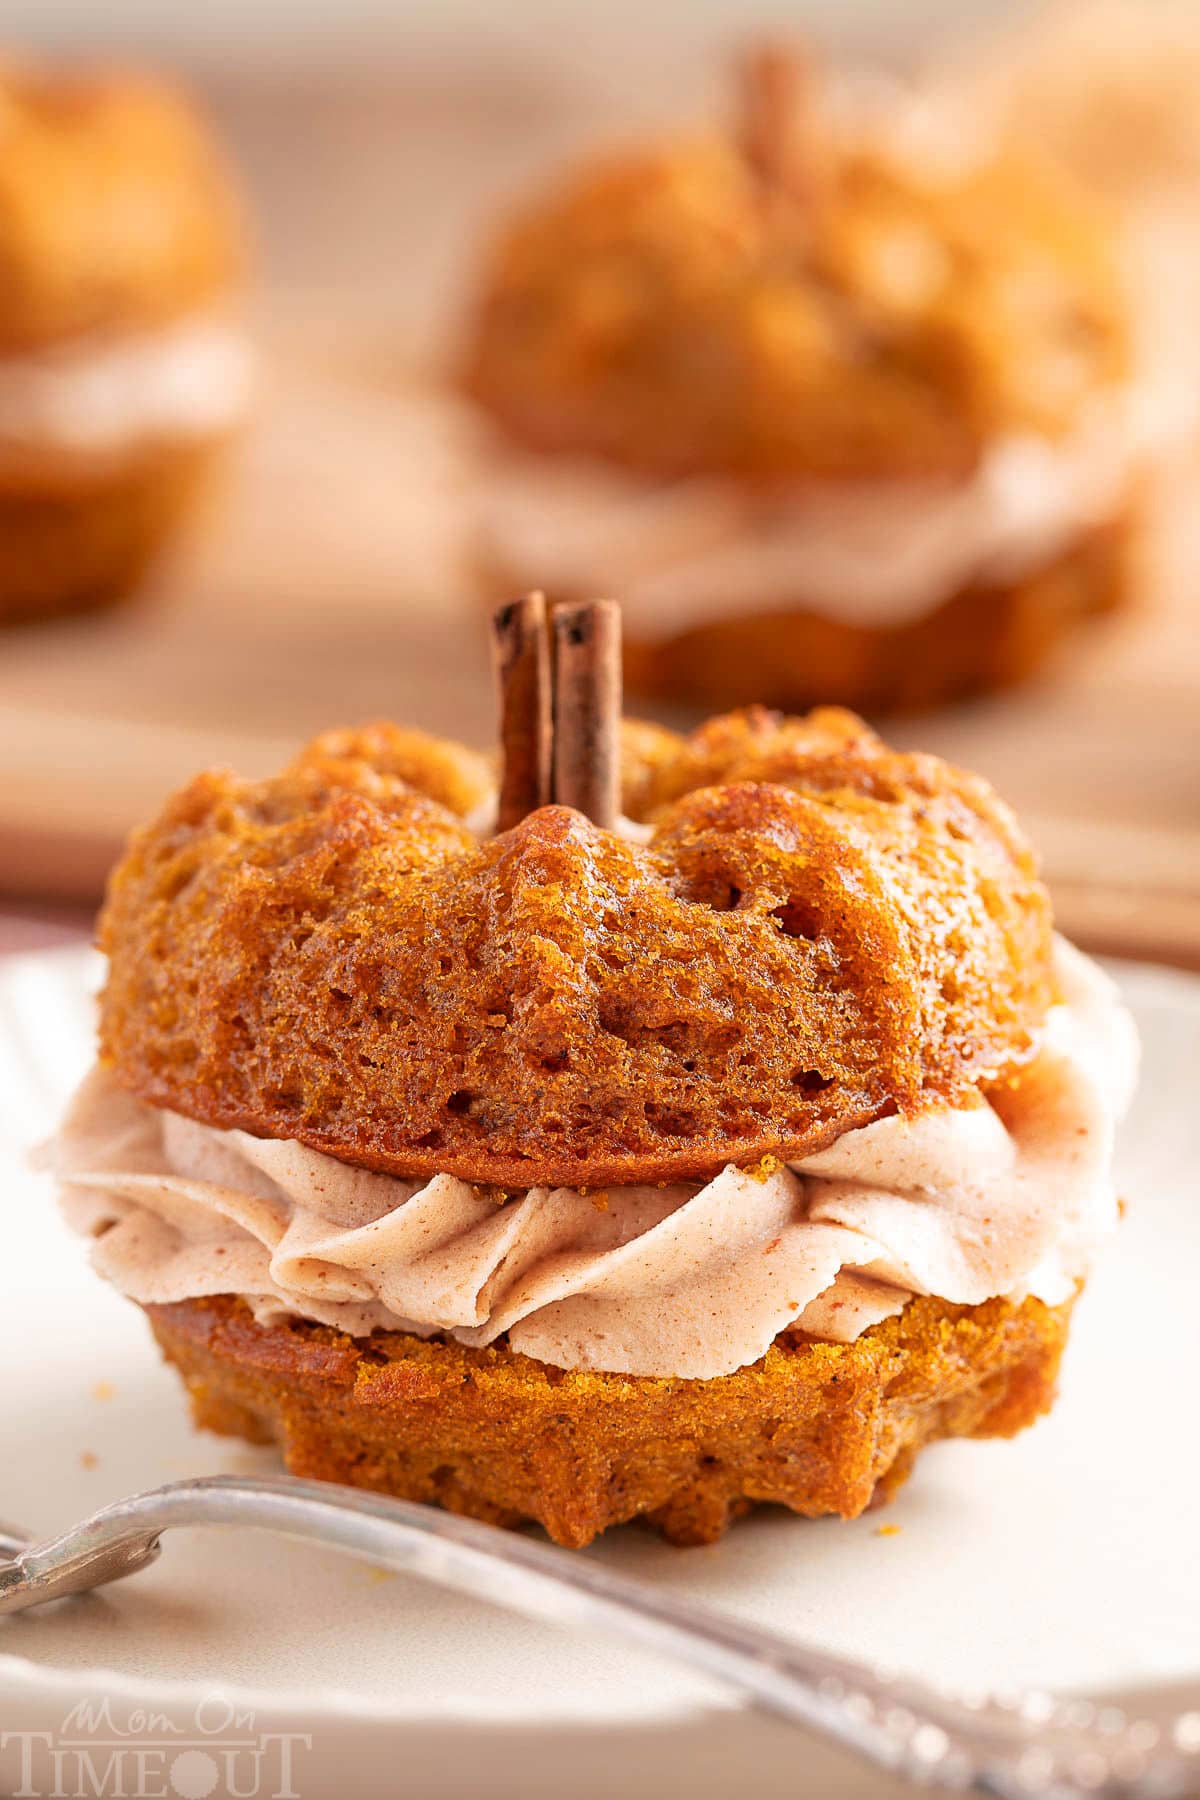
868	553
1008	1196
100	395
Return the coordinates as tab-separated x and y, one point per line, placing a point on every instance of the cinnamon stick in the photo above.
587	709
521	652
776	129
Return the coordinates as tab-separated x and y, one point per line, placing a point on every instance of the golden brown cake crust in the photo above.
63	551
817	1427
116	210
658	311
819	931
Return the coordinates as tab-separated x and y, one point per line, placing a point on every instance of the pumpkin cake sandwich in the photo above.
693	1122
841	403
124	365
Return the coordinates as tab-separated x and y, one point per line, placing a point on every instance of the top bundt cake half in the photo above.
117	213
889	307
794	931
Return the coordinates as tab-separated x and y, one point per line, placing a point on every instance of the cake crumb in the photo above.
103	1390
764	1169
495	1196
88	1459
888	1530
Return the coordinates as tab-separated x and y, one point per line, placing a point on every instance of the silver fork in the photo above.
1144	1746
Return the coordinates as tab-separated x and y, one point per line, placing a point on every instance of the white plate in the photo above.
1068	1557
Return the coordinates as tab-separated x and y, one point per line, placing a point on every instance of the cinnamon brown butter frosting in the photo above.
868	553
1007	1197
104	393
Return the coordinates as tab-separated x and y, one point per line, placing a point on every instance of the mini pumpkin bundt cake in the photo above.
841	405
123	365
726	1143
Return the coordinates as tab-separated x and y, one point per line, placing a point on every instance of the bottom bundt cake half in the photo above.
814	1426
991	632
66	548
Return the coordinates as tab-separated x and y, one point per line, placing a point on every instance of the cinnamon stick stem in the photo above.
775	126
587	709
521	652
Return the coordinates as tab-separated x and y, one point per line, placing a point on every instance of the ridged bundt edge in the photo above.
817	1427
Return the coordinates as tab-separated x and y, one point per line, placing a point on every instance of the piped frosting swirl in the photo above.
1005	1196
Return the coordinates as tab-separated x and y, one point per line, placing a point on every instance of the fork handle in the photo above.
992	1746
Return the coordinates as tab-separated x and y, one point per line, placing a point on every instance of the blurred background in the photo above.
554	33
329	578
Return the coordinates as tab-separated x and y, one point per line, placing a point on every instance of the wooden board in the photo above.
328	583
